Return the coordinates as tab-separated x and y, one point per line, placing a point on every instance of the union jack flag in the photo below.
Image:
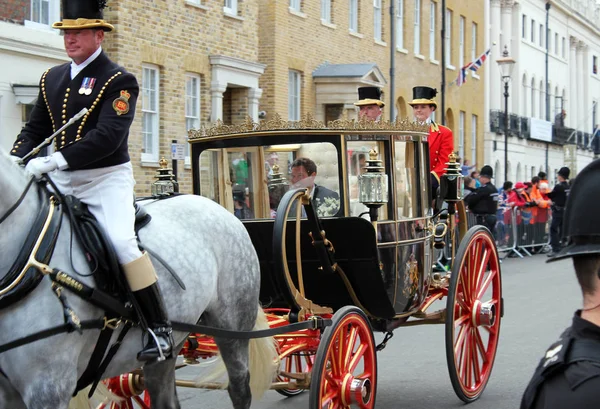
473	66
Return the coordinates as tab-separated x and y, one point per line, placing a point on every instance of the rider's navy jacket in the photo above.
100	138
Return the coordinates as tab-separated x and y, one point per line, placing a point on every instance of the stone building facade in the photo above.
198	61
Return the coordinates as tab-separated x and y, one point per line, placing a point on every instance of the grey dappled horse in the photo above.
205	244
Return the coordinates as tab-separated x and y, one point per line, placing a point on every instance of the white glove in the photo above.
38	166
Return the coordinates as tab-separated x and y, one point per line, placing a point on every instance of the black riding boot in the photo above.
153	308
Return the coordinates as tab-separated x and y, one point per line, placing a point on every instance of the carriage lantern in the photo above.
165	180
373	185
451	184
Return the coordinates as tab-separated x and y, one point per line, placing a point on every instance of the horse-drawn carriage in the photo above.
359	255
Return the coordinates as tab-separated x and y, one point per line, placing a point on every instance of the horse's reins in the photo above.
18	202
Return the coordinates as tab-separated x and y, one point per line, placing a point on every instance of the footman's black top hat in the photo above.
80	14
369	96
423	96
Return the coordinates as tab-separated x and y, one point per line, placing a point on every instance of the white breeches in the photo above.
108	193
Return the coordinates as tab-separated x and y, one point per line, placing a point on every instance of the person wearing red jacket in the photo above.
441	140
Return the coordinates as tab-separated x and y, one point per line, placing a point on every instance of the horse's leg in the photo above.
159	379
235	356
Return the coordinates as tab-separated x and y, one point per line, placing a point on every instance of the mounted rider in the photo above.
91	159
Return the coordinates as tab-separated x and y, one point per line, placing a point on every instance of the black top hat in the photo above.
487	171
369	96
564	172
80	14
581	218
424	96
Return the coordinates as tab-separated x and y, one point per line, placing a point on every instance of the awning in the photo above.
25	94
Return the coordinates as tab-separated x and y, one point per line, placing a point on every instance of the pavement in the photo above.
539	301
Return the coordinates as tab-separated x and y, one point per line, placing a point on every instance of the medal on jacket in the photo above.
87	85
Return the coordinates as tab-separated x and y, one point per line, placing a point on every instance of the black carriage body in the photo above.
386	272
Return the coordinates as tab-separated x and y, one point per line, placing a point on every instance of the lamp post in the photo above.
506	65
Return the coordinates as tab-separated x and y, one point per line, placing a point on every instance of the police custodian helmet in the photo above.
581	219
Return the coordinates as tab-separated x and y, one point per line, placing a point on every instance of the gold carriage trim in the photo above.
308	122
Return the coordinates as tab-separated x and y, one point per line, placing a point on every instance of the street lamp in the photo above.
506	65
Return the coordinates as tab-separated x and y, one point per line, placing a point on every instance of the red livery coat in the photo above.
441	145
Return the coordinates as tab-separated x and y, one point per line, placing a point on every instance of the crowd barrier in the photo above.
518	231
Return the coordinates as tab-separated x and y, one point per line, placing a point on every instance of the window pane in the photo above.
400	24
406	179
354	15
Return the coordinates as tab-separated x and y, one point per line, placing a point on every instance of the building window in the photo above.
524	93
432	33
473	42
448	38
523	26
150	136
417	31
400	24
44	12
296	5
542	98
326	11
541	35
556	43
377	27
473	139
354	16
192	107
230	7
461	134
533	31
461	42
294	83
564	45
594	65
533	98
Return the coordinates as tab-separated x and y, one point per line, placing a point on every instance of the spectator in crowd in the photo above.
559	119
466	168
475	175
241	210
540	212
469	186
503	214
543	178
483	202
568	376
559	201
516	197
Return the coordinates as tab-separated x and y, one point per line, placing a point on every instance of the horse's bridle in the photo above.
19	201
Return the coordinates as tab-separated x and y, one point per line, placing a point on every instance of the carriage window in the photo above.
313	165
406	179
358	153
209	175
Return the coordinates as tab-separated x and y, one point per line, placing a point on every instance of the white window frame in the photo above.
533	98
294	95
461	134
377	21
230	7
353	17
473	139
432	32
417	28
541	39
533	31
400	24
192	108
448	30
150	112
523	26
461	41
326	11
296	5
556	43
53	15
564	46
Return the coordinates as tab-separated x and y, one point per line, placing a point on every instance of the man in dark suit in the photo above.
91	158
325	201
441	140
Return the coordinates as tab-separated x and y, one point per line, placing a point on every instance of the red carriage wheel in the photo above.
130	388
345	370
473	314
298	363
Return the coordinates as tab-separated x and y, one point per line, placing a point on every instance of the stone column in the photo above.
216	91
572	89
254	95
494	72
581	72
507	9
